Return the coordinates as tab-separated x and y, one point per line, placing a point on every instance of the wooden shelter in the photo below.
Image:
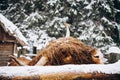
10	39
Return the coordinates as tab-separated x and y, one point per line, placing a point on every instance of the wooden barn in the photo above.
10	39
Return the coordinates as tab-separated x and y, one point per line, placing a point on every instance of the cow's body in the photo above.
67	50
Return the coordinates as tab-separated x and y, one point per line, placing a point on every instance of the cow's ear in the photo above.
93	51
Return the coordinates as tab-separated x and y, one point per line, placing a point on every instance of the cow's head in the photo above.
98	57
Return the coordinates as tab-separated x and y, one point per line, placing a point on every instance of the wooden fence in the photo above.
65	72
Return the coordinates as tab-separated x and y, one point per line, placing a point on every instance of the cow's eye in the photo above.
96	56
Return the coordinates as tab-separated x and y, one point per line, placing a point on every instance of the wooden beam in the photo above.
65	72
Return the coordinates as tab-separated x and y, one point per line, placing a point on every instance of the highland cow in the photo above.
66	50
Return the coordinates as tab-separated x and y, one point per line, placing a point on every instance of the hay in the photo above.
66	51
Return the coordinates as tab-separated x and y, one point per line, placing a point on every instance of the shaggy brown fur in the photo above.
67	51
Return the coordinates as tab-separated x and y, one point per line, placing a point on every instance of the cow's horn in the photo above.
43	60
17	61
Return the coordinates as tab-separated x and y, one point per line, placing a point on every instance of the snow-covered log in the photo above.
65	72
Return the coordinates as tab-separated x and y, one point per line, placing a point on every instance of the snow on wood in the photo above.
64	72
9	27
113	50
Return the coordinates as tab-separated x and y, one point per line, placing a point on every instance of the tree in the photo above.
3	4
93	21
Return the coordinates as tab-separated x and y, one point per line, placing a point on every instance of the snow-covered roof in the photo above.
12	30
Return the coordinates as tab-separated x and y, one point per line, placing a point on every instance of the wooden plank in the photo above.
65	72
6	48
1	33
4	58
66	76
5	53
3	63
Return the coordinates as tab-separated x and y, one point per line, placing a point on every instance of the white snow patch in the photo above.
106	20
86	2
89	6
34	70
51	2
60	20
114	50
107	7
34	17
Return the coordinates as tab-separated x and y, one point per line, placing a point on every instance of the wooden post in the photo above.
14	48
19	52
34	50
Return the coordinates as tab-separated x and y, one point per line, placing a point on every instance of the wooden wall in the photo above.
4	36
7	46
6	49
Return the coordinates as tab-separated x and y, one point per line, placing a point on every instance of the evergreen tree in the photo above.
96	22
3	4
91	20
